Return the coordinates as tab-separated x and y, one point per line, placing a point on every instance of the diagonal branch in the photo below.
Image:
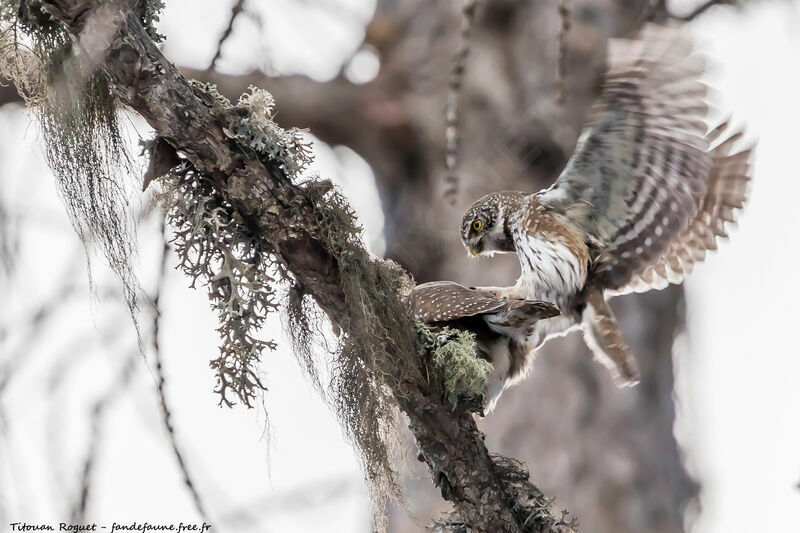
489	493
705	6
235	11
96	436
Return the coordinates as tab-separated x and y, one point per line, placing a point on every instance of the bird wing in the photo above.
528	310
726	194
641	166
445	301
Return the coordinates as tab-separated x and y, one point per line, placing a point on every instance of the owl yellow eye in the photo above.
477	225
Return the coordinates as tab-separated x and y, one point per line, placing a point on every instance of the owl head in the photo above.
485	227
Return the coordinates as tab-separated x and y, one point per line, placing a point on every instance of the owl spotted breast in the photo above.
646	194
501	326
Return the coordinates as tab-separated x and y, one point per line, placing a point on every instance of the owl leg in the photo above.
603	336
497	380
512	360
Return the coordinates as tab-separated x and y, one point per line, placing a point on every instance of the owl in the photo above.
646	194
501	327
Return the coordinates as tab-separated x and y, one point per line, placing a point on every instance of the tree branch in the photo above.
9	94
489	493
166	411
235	10
118	386
705	6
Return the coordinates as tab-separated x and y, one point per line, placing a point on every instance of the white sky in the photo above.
743	398
738	394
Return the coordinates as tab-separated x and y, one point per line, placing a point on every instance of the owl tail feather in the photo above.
603	336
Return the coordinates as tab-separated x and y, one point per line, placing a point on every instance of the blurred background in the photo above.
709	442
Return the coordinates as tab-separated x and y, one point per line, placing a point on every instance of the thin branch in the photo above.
166	413
561	62
235	10
705	6
96	436
452	112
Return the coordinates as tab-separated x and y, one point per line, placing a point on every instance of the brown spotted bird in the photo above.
647	192
501	326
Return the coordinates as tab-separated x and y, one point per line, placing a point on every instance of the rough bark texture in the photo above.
487	494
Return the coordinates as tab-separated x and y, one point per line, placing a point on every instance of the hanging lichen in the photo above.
216	250
371	358
77	115
464	374
258	131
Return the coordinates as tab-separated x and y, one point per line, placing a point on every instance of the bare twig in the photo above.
235	10
166	413
96	436
705	6
452	112
561	62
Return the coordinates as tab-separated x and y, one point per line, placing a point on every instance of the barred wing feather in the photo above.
641	166
726	194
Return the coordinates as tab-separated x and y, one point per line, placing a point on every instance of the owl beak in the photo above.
475	249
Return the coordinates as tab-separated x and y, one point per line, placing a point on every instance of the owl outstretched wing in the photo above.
643	169
726	194
447	301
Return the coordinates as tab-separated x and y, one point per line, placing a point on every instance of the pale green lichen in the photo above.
77	114
251	123
216	249
258	131
463	373
211	90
